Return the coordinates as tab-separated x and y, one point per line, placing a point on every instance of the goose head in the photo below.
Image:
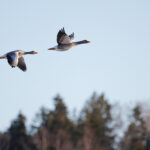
85	41
82	42
30	52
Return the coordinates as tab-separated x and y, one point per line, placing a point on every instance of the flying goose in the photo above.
15	58
65	42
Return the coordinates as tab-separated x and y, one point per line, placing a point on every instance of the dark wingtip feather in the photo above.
61	33
62	30
21	64
24	70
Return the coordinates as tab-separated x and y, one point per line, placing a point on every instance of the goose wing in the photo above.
12	58
71	36
21	64
62	37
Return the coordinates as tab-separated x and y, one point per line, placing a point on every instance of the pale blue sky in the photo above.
116	61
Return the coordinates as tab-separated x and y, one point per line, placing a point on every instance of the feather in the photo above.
62	37
12	58
21	64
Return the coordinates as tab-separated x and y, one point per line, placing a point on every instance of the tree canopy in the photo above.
93	129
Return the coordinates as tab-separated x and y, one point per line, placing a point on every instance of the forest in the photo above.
98	127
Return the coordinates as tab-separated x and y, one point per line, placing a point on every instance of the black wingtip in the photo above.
24	70
62	30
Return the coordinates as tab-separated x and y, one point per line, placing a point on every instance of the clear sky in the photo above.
116	62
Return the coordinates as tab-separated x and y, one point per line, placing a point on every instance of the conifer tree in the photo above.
135	136
97	129
55	132
19	139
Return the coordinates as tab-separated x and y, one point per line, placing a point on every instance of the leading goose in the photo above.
15	58
65	42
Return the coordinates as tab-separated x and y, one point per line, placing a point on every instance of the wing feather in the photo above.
12	58
62	37
21	64
71	36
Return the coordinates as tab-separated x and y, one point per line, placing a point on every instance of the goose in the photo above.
65	42
15	58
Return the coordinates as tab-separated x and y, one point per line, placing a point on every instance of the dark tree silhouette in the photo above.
19	139
56	127
93	129
135	137
97	132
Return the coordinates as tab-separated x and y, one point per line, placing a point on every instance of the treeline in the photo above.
94	129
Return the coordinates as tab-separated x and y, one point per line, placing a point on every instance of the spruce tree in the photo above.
97	128
55	130
135	136
19	139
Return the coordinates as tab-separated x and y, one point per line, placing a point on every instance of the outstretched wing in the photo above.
71	36
21	64
62	37
12	58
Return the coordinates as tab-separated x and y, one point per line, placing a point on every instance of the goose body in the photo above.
15	58
65	42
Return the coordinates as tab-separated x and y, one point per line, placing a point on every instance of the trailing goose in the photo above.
15	58
65	42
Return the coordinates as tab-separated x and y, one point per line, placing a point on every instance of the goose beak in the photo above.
88	41
51	49
35	52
